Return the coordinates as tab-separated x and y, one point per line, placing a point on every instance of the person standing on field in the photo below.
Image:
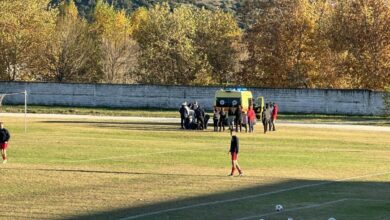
245	121
234	148
267	118
183	114
216	116
231	118
222	118
271	109
274	116
251	118
4	138
238	119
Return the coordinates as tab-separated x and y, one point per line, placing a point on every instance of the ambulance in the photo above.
226	98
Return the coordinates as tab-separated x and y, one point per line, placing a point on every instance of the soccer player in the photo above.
4	138
234	147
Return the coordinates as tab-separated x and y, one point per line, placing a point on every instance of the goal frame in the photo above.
25	104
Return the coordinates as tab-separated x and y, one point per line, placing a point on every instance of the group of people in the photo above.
235	118
193	116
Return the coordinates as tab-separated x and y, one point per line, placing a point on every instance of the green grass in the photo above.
97	169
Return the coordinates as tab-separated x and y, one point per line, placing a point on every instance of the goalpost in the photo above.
25	104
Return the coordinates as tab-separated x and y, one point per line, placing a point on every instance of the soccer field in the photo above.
100	169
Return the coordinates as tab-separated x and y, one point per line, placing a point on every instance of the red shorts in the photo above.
4	146
234	156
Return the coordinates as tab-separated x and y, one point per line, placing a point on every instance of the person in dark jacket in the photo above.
4	138
222	119
183	114
266	117
199	115
238	121
271	109
234	149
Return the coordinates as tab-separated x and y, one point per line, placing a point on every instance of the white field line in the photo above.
294	209
346	126
312	206
126	156
249	197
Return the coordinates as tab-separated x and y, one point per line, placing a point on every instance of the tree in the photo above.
118	51
72	52
186	45
168	55
360	37
25	29
217	38
283	45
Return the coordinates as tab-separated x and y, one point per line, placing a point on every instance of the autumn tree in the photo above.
217	39
186	45
72	52
360	38
168	55
118	51
282	45
25	29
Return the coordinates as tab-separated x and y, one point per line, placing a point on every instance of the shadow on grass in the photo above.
302	199
144	126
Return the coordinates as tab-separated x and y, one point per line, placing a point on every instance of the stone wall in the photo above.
323	101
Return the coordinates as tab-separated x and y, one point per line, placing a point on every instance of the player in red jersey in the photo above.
4	138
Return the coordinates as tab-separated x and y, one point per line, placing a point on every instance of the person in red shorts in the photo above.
4	138
234	147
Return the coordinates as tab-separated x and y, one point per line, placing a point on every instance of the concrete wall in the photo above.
360	102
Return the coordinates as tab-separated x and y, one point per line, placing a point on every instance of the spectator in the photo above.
238	120
231	118
199	115
274	116
266	117
244	117
222	120
251	118
216	118
271	109
183	114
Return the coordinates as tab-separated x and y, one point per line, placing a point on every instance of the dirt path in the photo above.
344	126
